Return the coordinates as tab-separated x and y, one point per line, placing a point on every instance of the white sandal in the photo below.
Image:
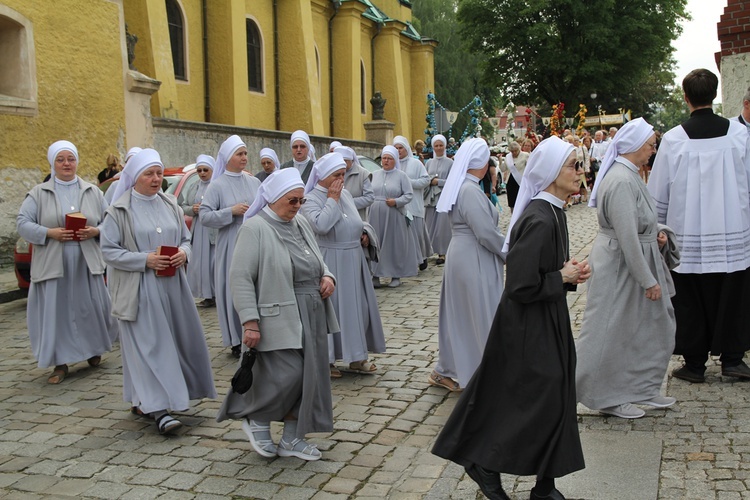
264	447
298	448
167	424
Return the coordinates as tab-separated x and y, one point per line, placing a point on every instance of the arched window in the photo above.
362	87
177	38
254	57
18	85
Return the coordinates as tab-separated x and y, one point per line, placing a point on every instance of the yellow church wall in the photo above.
190	93
422	82
406	127
367	31
321	13
261	105
80	91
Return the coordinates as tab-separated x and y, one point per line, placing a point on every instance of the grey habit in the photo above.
472	283
68	318
438	224
357	182
398	252
216	212
289	381
203	242
419	181
626	340
338	229
165	361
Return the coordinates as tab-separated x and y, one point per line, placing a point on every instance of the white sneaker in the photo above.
626	410
394	283
298	448
658	402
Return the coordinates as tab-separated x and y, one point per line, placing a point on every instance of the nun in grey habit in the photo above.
438	224
202	239
417	174
628	331
231	192
280	287
165	359
473	277
68	311
357	181
331	212
390	219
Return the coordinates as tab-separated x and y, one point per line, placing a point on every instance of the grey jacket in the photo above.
262	284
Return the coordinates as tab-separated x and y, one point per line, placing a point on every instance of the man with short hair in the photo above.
303	154
744	116
700	183
612	132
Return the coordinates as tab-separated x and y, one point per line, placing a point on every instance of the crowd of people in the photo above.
291	256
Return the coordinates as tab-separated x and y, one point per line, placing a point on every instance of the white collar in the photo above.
232	174
627	163
552	199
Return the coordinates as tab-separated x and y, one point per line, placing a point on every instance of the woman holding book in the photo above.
146	243
67	263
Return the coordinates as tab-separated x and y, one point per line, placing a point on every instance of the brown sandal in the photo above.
363	367
58	374
335	372
445	382
95	361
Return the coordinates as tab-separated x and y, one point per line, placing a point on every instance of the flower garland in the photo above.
473	128
557	121
581	115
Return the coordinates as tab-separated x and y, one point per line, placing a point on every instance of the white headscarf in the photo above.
301	135
227	149
55	149
391	151
436	138
323	167
271	155
274	187
141	161
403	141
131	153
473	153
206	160
334	145
629	139
542	168
348	154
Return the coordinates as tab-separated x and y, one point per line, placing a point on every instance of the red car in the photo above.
177	180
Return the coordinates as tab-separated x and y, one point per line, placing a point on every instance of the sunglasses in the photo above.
296	201
202	170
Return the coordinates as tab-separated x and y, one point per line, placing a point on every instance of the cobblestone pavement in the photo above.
79	439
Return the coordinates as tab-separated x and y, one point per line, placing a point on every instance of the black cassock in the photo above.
517	415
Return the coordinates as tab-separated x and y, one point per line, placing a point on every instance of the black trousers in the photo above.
713	315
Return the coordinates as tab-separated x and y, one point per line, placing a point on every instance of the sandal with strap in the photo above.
363	367
167	424
58	374
298	448
335	372
263	447
445	382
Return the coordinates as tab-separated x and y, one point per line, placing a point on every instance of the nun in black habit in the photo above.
518	413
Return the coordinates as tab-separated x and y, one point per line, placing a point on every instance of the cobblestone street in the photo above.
79	439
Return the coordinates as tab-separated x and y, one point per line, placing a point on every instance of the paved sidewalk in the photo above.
80	440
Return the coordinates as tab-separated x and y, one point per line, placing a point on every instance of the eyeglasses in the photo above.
652	144
202	170
299	146
296	201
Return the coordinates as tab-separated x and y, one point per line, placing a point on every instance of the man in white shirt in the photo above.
700	183
598	150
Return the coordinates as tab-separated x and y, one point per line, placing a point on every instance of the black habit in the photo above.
517	415
305	173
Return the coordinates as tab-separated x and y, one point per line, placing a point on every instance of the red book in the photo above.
170	251
75	221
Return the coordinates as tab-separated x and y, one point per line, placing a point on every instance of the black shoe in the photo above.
488	481
553	495
741	371
423	265
237	351
439	260
686	373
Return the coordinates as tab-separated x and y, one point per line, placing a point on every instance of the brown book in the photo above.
170	251
75	221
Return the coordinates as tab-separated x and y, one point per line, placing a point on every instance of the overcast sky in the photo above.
699	42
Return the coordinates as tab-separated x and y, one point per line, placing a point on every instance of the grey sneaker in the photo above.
625	410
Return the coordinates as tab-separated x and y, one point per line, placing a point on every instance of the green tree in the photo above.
458	75
566	50
670	112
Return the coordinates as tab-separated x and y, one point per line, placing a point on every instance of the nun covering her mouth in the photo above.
496	427
227	198
473	276
390	220
357	181
164	353
340	233
419	179
281	287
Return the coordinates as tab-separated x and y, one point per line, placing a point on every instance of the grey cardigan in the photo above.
262	284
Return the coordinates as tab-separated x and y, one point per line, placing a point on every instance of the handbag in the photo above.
242	380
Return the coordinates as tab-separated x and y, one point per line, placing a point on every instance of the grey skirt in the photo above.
292	382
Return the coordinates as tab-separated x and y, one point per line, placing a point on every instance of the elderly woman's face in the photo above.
65	166
299	150
238	161
149	182
641	156
338	174
401	151
289	204
439	148
204	172
567	181
388	162
267	164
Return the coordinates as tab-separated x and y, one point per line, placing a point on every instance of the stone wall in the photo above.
733	30
179	142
